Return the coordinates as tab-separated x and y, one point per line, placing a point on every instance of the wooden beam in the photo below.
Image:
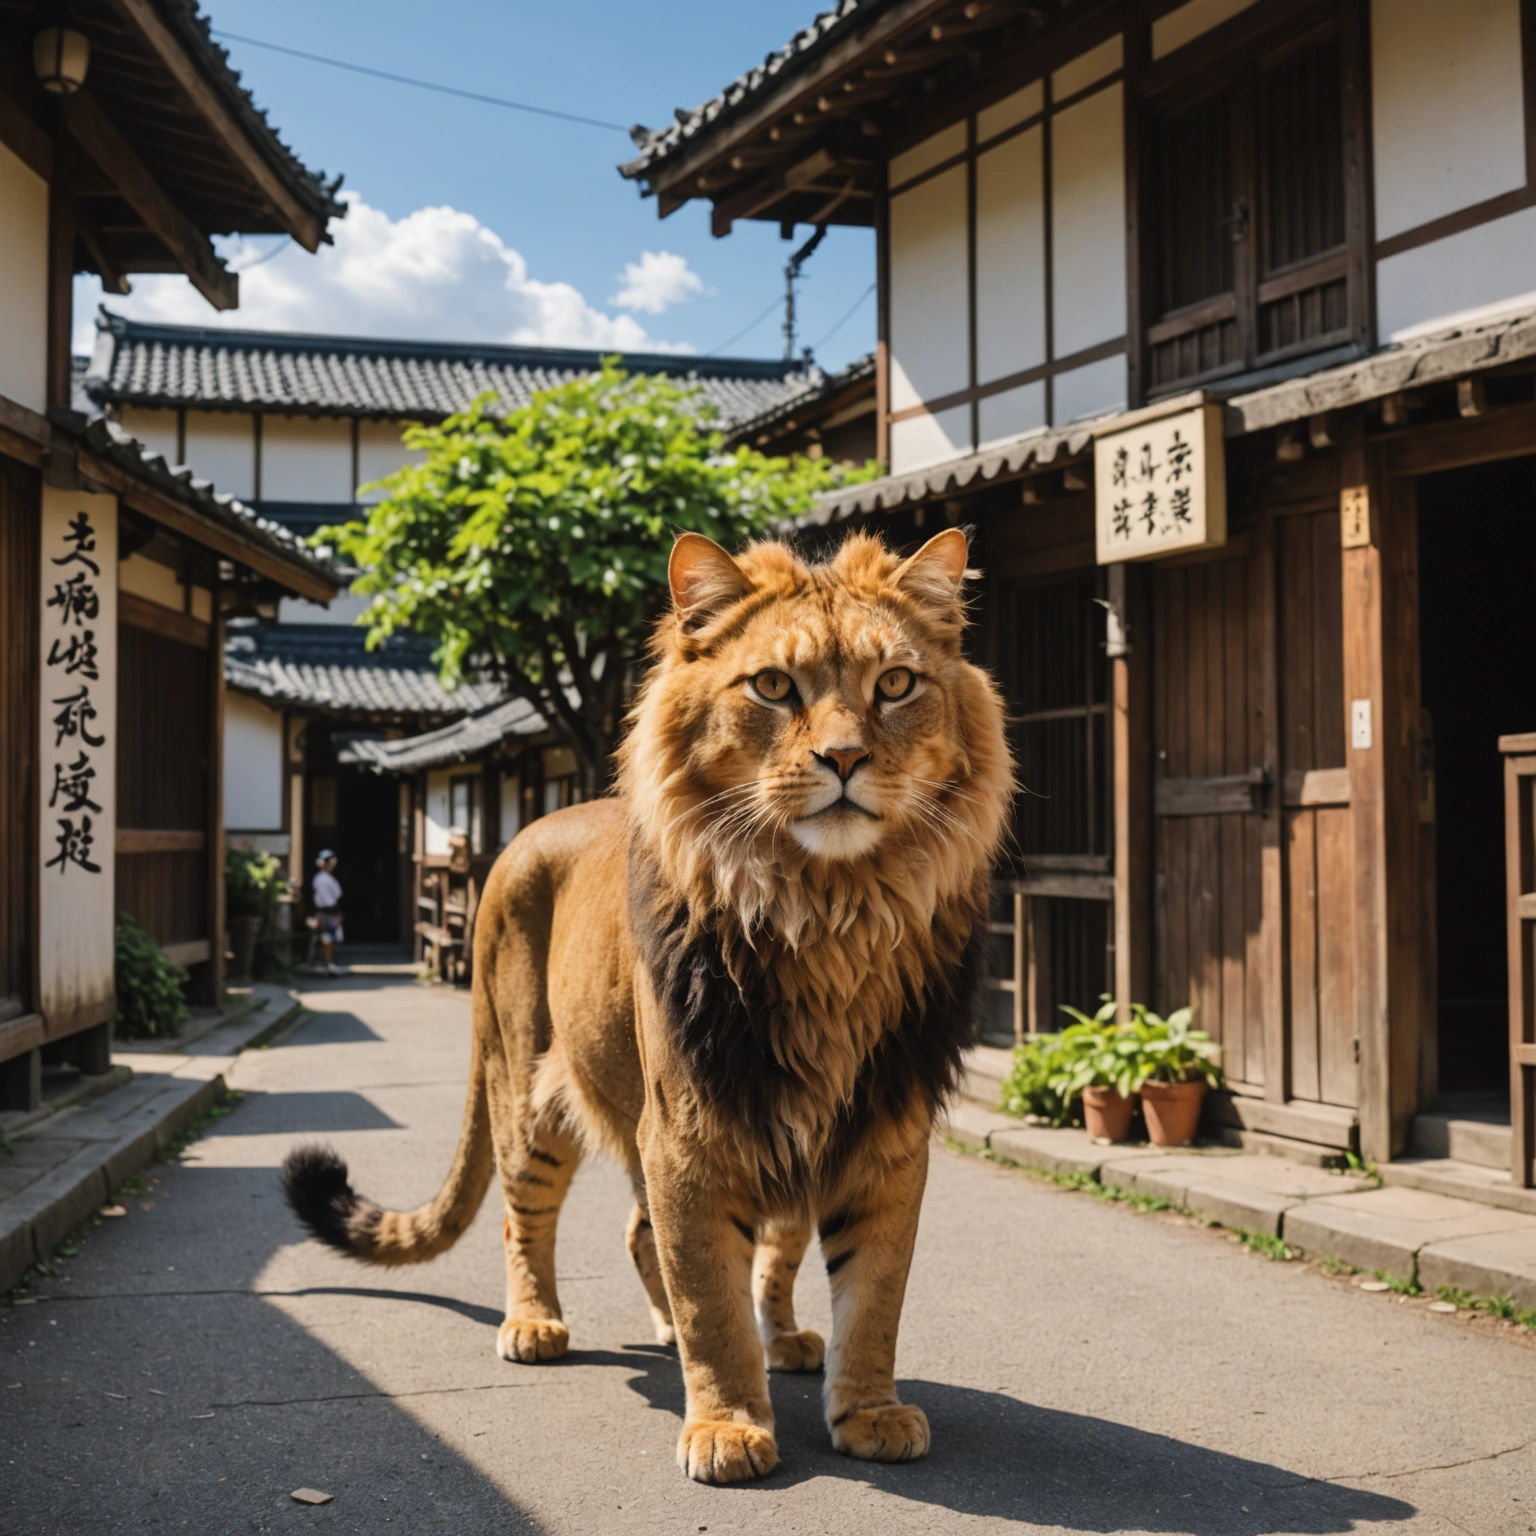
193	525
132	840
302	223
113	279
95	132
24	136
24	422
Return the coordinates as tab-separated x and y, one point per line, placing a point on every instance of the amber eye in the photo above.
773	686
895	684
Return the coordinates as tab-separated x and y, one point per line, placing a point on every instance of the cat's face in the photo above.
821	707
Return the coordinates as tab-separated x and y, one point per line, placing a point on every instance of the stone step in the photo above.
1461	1180
986	1068
1444	1133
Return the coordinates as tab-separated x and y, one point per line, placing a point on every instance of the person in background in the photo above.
327	898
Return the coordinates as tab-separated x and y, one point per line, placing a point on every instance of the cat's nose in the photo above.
844	760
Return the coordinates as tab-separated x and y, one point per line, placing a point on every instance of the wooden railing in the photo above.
1520	864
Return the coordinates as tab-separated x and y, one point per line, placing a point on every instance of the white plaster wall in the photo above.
221	446
511	806
1191	21
926	439
1088	222
437	812
253	765
1481	266
929	311
1003	114
23	284
149	579
921	157
306	459
155	429
380	452
1010	257
1447	107
1011	412
1079	73
1090	391
344	609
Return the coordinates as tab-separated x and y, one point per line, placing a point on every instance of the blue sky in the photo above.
546	242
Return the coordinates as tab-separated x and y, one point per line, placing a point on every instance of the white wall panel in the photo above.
1090	391
943	146
153	581
306	459
1010	257
511	805
221	446
1447	107
1487	265
1191	21
1088	222
155	429
439	816
927	439
929	310
23	284
1082	71
380	452
1012	412
1003	114
253	765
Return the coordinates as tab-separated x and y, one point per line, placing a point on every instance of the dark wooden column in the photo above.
62	229
1131	747
1381	692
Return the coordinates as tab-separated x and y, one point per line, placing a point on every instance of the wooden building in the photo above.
1287	250
299	425
126	142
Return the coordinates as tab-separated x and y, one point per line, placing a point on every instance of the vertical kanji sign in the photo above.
1160	486
77	757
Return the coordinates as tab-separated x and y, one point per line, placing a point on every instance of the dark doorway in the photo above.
1477	549
356	814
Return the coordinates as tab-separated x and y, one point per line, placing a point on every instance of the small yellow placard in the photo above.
1355	516
1160	486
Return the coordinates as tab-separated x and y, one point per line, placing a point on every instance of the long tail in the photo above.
315	1181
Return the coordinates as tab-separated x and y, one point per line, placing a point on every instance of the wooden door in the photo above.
1319	832
1208	787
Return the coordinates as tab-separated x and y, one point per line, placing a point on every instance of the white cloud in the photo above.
658	280
436	274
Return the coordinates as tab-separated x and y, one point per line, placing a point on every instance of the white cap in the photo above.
323	855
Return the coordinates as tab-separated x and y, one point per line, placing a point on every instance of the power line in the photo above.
751	325
852	311
425	85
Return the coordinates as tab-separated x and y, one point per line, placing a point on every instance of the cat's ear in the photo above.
703	578
934	574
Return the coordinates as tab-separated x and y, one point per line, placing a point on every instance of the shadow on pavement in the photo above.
310	1113
490	1316
997	1457
333	1029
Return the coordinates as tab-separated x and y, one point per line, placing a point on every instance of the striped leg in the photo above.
534	1180
640	1239
780	1248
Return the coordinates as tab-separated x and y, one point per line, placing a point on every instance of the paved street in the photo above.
1084	1368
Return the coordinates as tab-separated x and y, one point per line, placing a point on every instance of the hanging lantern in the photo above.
60	58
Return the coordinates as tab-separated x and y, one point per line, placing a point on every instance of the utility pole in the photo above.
791	275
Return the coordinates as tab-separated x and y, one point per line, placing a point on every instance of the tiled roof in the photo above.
795	57
108	441
179	365
816	386
455	743
192	29
328	666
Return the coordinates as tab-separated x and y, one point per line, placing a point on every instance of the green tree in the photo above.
534	547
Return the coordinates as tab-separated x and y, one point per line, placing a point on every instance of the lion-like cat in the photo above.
750	976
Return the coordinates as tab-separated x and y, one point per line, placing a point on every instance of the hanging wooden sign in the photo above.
1160	486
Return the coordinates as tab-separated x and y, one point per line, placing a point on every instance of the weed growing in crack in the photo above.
1400	1285
1271	1247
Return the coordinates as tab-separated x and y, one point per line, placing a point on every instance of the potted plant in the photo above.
1175	1066
252	885
1099	1061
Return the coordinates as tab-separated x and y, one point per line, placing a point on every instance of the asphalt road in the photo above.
1084	1368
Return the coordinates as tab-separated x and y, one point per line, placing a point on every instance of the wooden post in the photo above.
61	277
1272	948
216	799
1381	691
1020	969
1520	888
1131	750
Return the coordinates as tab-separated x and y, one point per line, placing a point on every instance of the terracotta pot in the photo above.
1172	1111
1107	1114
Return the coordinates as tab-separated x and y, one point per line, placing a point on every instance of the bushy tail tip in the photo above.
315	1182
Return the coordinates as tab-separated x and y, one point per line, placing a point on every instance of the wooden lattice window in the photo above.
1245	200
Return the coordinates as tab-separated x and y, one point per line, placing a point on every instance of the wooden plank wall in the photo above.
1318	838
1208	723
20	499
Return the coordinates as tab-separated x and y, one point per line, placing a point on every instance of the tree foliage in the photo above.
534	547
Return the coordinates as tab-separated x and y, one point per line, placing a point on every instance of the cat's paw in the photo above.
531	1339
895	1433
803	1351
712	1451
